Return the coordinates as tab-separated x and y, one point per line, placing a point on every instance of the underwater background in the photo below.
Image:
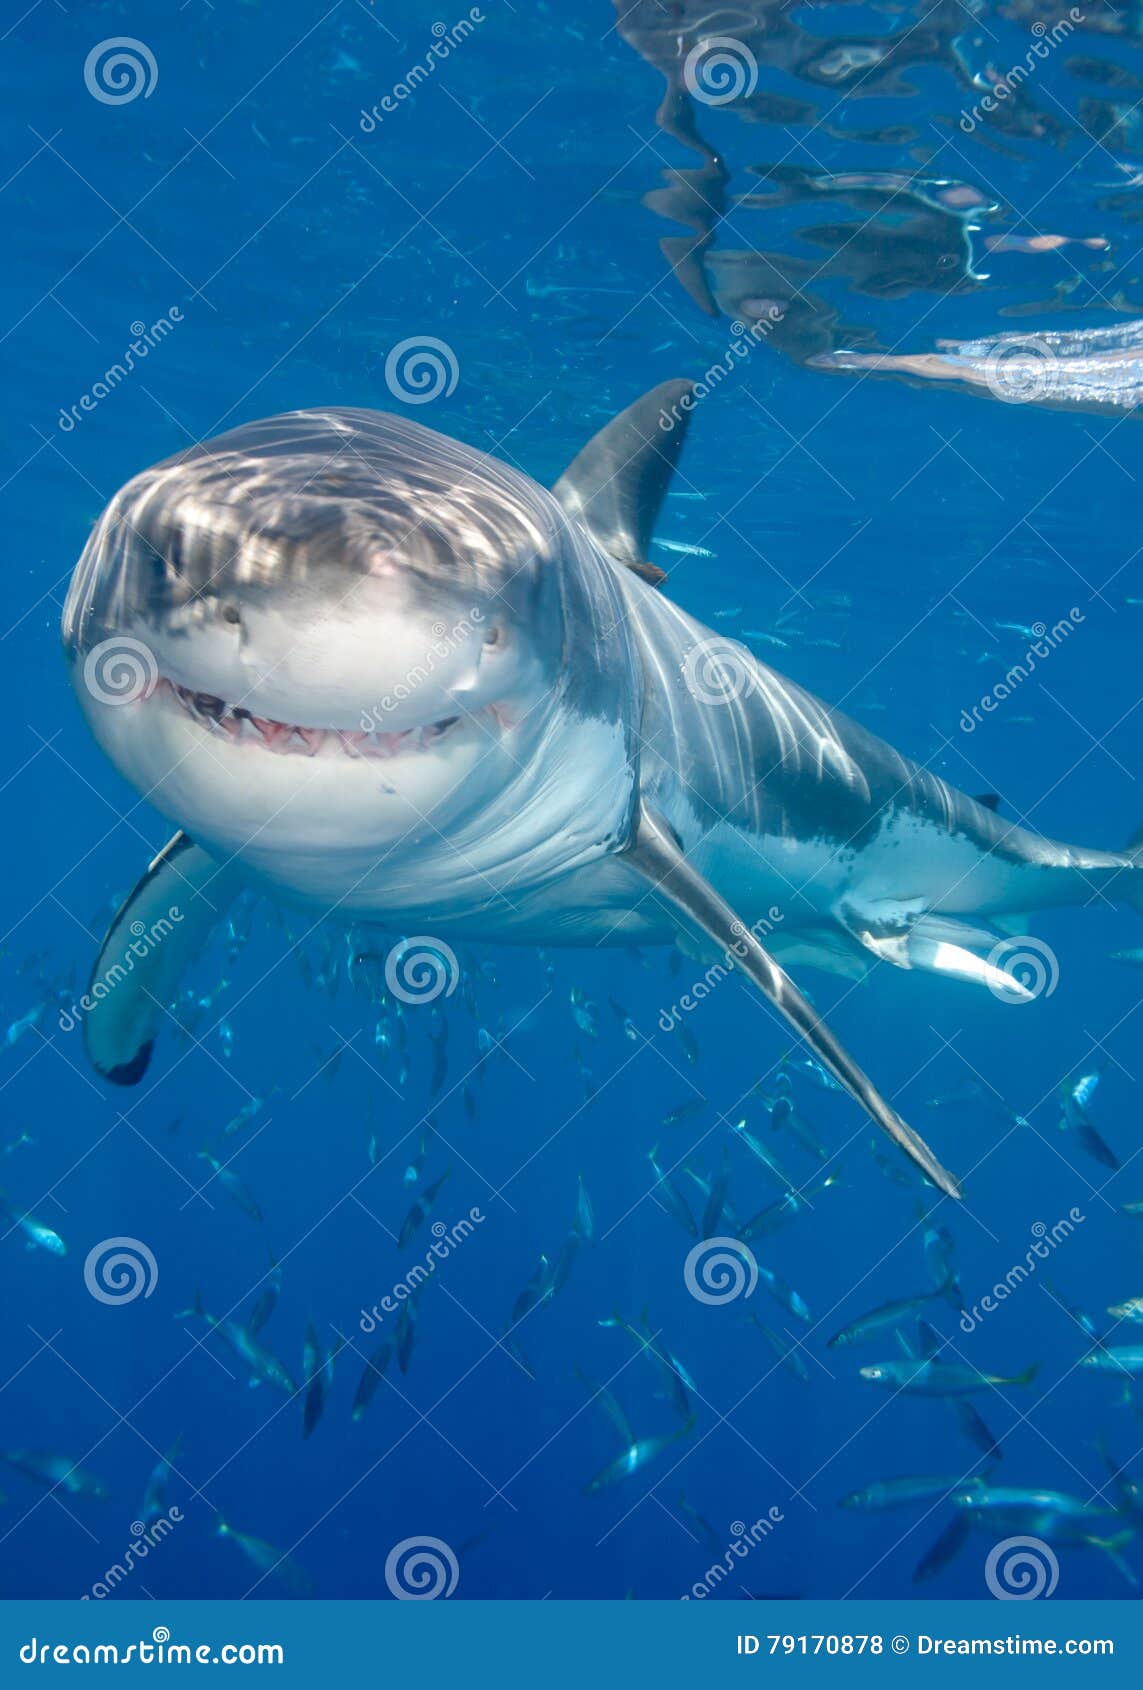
894	548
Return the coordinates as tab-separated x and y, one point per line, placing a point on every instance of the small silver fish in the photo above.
635	1458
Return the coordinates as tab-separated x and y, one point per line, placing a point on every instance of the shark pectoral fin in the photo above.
156	933
658	858
617	483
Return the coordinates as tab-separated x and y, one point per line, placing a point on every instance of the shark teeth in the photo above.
241	726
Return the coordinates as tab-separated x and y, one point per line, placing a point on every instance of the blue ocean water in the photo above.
898	540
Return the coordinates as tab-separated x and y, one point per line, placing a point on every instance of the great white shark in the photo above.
371	670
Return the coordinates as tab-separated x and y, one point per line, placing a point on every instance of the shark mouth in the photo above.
241	726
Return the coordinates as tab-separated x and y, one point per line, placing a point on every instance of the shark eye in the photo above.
232	614
494	638
157	564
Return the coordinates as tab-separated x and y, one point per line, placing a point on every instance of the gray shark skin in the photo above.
373	671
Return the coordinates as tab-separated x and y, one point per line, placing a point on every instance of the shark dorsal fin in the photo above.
617	483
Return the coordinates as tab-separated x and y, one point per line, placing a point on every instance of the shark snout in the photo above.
349	662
